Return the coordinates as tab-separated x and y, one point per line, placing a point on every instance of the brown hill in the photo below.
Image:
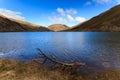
11	25
58	27
107	21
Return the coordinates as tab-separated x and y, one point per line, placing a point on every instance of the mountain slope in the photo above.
107	21
11	25
58	27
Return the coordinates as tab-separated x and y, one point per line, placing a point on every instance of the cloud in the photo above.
118	1
107	1
102	1
61	11
88	3
66	16
71	11
11	14
57	19
70	18
76	19
80	19
67	11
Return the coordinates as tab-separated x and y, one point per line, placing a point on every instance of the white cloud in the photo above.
88	3
57	19
80	19
70	18
118	1
76	19
61	11
102	1
11	14
67	11
71	11
66	16
107	1
115	2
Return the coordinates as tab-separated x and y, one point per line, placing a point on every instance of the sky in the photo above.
48	12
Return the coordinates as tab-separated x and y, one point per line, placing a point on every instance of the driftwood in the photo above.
63	65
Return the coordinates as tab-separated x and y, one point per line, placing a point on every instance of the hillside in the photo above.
107	21
11	25
58	27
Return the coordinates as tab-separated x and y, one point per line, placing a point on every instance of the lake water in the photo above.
98	50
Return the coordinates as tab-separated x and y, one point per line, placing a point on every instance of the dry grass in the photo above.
13	70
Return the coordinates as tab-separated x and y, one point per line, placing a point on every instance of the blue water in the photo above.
93	48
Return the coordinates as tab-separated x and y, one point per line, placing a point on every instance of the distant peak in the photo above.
58	27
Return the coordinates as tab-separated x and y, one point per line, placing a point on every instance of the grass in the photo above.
13	70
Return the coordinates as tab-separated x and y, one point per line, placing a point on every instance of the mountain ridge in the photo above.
108	21
12	25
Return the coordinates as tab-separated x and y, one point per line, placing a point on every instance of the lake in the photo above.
96	49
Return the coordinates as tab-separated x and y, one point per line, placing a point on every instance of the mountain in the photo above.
107	21
11	25
58	27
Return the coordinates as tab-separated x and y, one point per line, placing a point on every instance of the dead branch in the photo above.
55	62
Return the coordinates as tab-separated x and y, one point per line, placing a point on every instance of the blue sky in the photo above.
47	12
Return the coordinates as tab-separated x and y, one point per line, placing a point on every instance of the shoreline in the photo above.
13	70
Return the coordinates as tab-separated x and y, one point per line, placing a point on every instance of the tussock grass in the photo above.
13	70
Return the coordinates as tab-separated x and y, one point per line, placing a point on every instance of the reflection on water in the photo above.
95	49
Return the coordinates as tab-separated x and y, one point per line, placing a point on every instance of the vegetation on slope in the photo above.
11	25
107	21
